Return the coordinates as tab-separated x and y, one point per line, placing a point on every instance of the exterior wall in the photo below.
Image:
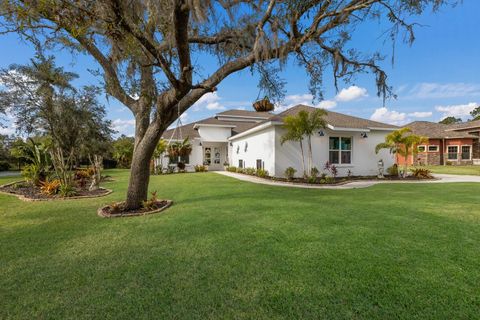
441	157
214	134
364	159
260	145
428	157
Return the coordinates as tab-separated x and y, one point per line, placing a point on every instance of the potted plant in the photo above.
263	105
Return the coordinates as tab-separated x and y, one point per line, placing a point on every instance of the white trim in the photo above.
340	150
453	145
255	129
329	126
221	118
424	146
461	152
213	125
382	128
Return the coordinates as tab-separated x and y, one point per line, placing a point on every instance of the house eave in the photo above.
198	125
254	129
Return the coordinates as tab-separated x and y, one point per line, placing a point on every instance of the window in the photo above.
175	160
452	152
259	164
432	148
422	148
466	152
340	150
240	163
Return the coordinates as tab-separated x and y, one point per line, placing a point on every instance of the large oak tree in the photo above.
147	48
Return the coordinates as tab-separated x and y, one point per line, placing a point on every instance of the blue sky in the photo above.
438	76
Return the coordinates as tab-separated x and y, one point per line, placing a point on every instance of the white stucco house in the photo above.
252	139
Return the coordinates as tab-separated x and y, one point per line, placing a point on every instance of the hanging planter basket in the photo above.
263	105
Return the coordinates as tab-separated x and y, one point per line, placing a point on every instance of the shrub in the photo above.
421	173
151	204
312	179
290	173
314	172
67	190
393	170
50	188
201	168
232	169
262	173
4	166
240	170
250	171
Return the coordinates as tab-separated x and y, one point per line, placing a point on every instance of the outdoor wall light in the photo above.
321	133
231	144
364	135
200	144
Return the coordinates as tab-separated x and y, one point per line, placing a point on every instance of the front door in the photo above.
212	157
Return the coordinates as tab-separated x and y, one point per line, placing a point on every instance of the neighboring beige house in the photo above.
252	139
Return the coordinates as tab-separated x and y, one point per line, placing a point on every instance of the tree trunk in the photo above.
310	155
303	158
139	177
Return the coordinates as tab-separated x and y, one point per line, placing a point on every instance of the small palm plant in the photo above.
304	124
402	142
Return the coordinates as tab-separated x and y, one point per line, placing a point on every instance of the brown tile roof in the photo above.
465	125
435	130
338	119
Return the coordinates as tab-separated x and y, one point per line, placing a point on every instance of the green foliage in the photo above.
38	156
152	202
67	190
250	171
421	173
179	149
231	169
314	172
304	124
393	170
4	166
475	113
160	148
450	120
290	173
240	170
262	173
201	168
402	142
123	151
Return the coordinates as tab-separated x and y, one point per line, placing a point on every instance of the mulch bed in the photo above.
341	180
117	209
28	192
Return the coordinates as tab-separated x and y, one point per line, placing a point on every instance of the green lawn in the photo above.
468	170
233	250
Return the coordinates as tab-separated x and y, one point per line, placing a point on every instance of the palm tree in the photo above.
292	125
301	125
402	142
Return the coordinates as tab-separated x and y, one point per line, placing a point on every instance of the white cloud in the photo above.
420	114
351	93
209	101
457	111
126	127
8	130
389	116
431	90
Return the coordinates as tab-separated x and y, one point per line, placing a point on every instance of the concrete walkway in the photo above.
441	178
